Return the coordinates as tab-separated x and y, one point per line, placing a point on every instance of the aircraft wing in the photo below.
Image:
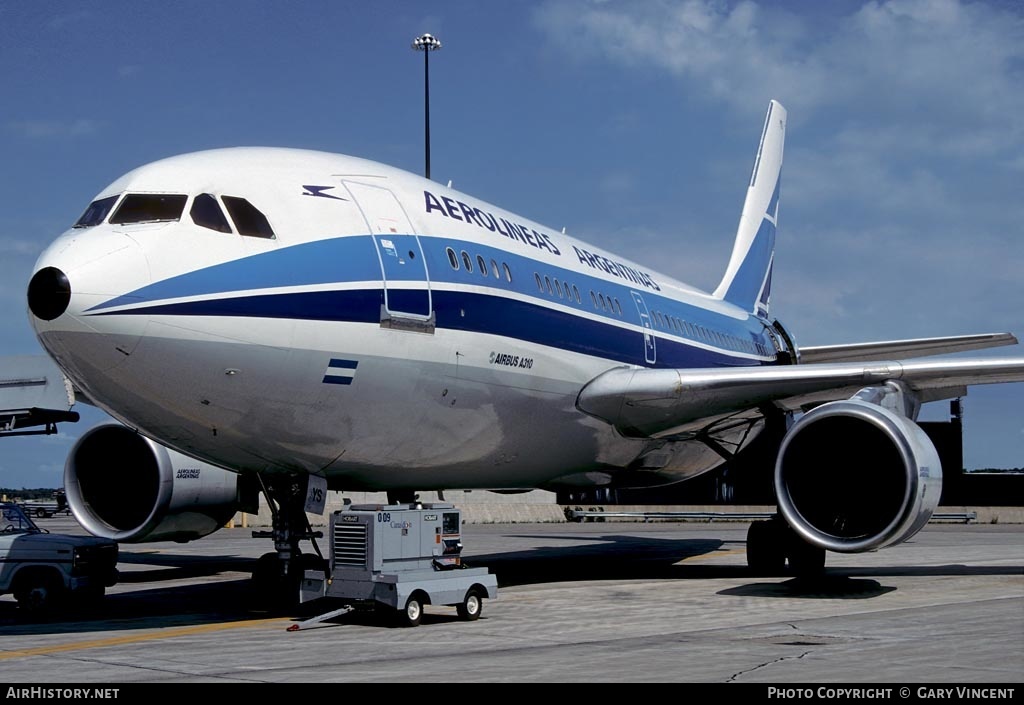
33	392
643	403
920	347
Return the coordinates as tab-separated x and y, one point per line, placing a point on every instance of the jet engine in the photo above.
123	486
854	476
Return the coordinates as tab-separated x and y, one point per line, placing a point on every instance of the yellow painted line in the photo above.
716	554
136	638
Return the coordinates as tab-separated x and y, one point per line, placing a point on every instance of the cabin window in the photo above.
618	307
558	289
466	260
540	284
482	263
604	305
453	259
206	213
97	212
494	270
576	294
149	208
249	220
547	283
508	272
593	298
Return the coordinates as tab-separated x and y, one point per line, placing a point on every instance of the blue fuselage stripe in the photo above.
466	311
546	319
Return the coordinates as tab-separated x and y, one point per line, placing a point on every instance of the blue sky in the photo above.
632	124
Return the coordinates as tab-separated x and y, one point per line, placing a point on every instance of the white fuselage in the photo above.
357	344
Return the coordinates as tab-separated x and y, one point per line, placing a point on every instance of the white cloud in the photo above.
617	183
69	19
128	70
906	57
20	246
898	212
53	128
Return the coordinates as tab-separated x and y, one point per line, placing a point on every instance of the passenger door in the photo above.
403	267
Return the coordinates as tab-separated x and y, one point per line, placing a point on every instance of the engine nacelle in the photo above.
853	476
123	486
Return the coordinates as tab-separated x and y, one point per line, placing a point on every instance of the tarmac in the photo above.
577	603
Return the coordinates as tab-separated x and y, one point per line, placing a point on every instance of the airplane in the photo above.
286	321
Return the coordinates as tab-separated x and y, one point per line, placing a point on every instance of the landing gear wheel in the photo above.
272	588
411	615
805	560
766	547
472	606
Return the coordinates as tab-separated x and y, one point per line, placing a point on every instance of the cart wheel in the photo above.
413	612
472	606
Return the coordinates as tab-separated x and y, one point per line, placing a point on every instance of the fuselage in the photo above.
276	310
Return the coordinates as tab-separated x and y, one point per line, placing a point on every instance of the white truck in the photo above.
44	509
45	570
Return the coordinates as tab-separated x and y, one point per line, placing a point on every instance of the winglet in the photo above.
748	279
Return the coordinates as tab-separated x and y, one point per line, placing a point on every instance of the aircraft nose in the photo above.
49	293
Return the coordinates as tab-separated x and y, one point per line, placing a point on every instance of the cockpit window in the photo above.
207	213
149	208
248	219
97	212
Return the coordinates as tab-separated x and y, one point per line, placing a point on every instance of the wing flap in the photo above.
643	403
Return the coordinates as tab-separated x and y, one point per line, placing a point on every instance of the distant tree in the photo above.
27	494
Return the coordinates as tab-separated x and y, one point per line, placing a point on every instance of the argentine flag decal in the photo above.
340	371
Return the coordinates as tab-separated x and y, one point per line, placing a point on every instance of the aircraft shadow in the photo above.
605	557
177	567
158	601
826	586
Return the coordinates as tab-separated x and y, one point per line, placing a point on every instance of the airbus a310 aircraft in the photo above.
287	314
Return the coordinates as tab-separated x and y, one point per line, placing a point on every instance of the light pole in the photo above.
426	43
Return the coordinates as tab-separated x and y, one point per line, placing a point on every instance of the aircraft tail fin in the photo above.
748	279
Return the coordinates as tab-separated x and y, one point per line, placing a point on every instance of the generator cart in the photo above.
397	558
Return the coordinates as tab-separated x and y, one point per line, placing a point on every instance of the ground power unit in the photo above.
397	558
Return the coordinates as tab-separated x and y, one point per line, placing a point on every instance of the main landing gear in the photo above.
277	577
772	544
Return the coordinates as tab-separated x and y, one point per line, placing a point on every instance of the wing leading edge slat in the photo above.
642	403
889	349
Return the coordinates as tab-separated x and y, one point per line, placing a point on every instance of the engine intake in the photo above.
852	476
123	486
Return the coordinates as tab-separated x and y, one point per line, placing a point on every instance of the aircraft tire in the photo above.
805	560
766	544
